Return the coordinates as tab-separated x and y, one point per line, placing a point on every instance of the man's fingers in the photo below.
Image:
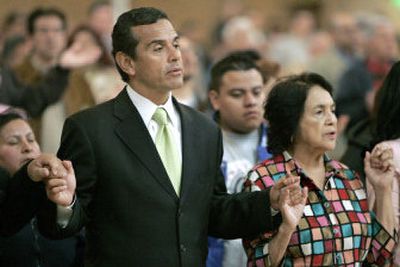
305	194
284	196
297	195
56	190
68	166
367	158
41	172
287	170
386	155
55	182
52	163
279	184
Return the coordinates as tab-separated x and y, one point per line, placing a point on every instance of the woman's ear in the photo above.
126	63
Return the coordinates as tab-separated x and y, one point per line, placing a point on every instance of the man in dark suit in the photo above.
136	210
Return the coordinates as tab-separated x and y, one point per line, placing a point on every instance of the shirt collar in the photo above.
331	166
147	108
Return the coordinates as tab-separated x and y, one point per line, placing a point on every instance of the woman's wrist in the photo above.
382	191
286	228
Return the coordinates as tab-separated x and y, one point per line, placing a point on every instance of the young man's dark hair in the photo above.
249	53
233	62
44	12
123	39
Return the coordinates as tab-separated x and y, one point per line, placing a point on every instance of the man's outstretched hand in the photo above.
58	177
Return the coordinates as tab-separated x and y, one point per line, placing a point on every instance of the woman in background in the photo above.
94	83
27	248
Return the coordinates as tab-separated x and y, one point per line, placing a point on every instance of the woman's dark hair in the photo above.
285	107
7	117
387	107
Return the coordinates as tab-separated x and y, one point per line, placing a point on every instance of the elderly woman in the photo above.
335	226
27	247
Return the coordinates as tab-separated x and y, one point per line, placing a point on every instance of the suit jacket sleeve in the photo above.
237	215
75	147
20	200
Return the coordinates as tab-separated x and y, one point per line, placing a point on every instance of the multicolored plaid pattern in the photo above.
337	227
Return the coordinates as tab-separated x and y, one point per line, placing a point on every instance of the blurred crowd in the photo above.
353	52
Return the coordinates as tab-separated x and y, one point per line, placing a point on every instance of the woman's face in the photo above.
317	126
17	145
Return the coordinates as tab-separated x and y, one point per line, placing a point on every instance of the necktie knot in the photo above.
160	117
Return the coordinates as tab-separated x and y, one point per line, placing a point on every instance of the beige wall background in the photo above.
205	12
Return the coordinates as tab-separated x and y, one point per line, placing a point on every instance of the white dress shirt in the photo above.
146	110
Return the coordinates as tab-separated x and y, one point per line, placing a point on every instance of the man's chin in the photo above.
176	85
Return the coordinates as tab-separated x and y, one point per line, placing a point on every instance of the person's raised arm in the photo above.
381	180
291	206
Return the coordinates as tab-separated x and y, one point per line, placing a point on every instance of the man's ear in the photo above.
214	99
126	63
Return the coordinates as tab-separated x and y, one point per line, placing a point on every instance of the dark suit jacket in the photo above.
132	214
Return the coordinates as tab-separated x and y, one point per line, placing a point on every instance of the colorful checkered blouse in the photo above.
336	228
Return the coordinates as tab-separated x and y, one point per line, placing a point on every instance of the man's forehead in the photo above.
160	30
48	18
250	74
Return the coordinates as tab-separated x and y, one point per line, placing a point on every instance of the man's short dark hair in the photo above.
285	107
123	39
232	62
45	12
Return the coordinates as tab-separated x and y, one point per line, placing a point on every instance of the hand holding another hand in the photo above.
44	166
58	177
61	190
291	205
379	170
290	183
381	157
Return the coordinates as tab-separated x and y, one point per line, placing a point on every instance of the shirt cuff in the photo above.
64	214
274	212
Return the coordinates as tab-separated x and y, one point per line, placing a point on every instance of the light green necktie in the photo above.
167	149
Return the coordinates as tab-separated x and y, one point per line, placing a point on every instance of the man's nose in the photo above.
174	53
250	99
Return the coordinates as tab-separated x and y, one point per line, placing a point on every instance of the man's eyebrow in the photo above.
161	41
155	42
237	89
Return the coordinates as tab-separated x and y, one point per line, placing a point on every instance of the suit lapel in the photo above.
132	131
189	137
